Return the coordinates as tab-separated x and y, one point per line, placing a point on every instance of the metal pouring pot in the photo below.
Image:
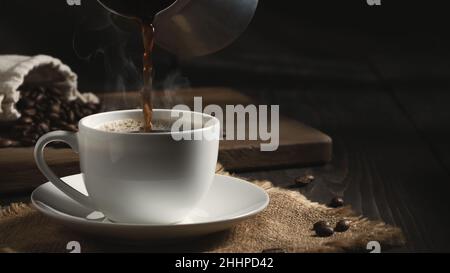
191	28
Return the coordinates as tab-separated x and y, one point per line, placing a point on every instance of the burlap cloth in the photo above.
285	225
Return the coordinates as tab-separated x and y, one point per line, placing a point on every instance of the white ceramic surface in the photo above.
229	201
139	177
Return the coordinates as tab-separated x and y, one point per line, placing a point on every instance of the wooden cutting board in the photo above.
298	144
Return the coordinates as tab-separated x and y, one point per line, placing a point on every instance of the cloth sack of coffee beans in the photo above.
39	94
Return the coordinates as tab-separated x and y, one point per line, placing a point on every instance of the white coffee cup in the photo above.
151	178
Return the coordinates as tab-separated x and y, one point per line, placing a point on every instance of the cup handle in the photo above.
71	139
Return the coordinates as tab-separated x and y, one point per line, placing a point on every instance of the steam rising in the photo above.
117	43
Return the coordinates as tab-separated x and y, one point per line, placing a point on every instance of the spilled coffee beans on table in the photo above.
324	229
336	202
45	109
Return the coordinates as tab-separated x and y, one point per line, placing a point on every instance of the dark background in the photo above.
282	35
376	79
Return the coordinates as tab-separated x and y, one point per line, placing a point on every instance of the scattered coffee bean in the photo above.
336	202
342	225
273	250
320	224
302	181
324	231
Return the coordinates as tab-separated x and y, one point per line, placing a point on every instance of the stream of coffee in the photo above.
148	38
144	12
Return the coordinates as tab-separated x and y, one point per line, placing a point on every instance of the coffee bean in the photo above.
61	123
321	224
70	127
44	127
55	108
4	143
324	231
336	202
71	116
39	97
342	225
45	109
273	250
302	181
30	111
25	120
54	117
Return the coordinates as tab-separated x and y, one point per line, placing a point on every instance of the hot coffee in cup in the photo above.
133	126
133	176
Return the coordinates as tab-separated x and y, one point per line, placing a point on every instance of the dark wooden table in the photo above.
385	102
384	99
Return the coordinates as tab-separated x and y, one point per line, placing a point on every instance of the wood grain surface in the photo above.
299	145
382	98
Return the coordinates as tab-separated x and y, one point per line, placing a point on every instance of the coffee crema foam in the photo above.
131	126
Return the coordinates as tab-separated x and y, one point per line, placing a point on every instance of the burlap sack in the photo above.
285	226
40	70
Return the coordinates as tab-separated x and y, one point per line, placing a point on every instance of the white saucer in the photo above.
229	201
